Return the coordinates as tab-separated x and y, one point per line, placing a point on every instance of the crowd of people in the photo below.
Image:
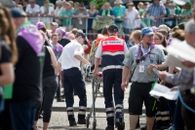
39	55
90	19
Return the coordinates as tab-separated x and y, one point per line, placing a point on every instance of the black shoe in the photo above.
109	127
81	121
72	123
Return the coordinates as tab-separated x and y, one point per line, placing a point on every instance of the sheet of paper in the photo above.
179	51
163	91
174	61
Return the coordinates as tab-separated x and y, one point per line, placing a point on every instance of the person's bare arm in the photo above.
125	77
7	75
96	66
82	59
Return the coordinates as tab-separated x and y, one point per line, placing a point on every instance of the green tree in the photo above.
98	3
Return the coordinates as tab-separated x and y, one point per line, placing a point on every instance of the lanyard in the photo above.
141	55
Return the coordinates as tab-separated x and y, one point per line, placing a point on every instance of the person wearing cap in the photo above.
70	60
185	79
18	13
138	64
27	90
111	51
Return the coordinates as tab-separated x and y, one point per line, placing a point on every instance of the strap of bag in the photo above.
132	72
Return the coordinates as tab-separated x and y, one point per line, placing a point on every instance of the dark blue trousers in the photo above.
23	115
73	82
112	79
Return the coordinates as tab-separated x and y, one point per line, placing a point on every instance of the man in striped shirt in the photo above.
156	11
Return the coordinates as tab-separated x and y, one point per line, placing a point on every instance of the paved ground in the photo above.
59	117
59	122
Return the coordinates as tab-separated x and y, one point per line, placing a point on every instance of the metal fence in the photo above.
90	25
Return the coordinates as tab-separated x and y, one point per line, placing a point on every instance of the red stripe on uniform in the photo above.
112	48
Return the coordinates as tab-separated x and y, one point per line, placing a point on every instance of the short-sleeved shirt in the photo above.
156	10
68	13
131	21
67	58
119	11
141	74
33	10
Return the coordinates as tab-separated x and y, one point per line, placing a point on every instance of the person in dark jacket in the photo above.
26	89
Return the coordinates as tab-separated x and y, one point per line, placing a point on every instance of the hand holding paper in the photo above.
163	91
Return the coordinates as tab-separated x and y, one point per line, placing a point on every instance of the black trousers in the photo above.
49	90
73	82
112	79
5	117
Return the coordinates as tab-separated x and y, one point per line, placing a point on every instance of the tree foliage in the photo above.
98	3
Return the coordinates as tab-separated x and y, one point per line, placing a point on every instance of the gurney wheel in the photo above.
87	120
94	125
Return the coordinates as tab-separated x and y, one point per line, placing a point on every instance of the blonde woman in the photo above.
136	37
8	56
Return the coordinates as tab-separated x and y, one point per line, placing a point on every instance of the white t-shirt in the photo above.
57	11
34	10
131	20
31	10
50	10
67	58
47	20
